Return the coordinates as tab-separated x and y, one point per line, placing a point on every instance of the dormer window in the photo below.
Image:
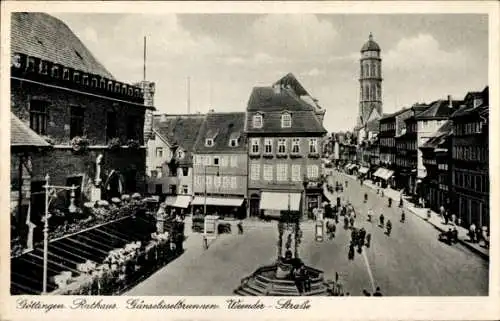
44	67
180	154
209	142
257	121
210	138
286	120
234	138
55	72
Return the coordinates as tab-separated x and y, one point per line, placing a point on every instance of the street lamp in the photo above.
205	200
72	209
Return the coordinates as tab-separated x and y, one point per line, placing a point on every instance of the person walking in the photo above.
453	219
351	222
240	227
472	232
441	210
350	255
446	219
382	220
377	292
403	216
368	239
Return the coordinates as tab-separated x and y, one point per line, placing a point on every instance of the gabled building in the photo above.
428	122
170	159
220	165
284	128
64	94
436	156
406	148
470	165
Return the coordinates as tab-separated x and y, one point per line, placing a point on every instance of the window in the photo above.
180	154
159	152
312	171
295	145
281	146
206	160
233	142
111	125
257	121
216	160
296	173
199	180
268	172
76	121
234	161
38	116
223	161
209	181
268	146
255	171
234	183
217	181
185	189
160	172
255	146
286	120
226	182
185	171
209	142
313	146
131	127
281	172
154	174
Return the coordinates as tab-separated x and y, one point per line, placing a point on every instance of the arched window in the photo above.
373	71
361	94
379	92
362	70
374	92
367	92
379	69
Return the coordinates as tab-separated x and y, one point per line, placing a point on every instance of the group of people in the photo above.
376	293
359	238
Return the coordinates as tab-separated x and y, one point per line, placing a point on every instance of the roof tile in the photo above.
228	125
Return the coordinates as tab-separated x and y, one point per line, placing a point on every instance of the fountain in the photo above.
277	279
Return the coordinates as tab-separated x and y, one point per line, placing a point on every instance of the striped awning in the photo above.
218	201
383	173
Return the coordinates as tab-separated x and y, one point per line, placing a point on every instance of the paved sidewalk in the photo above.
435	220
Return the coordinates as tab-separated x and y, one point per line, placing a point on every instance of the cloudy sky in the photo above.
425	57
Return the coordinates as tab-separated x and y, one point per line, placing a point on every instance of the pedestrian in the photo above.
354	236
368	239
401	202
382	220
478	234
377	292
402	216
454	235
441	210
351	221
350	255
240	227
446	219
453	219
346	223
472	232
366	293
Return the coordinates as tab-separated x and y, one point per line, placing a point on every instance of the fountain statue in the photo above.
283	278
96	189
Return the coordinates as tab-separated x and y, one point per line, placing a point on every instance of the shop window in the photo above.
159	189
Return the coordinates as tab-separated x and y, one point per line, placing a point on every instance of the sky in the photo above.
425	57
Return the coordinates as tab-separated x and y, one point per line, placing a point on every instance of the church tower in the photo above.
370	82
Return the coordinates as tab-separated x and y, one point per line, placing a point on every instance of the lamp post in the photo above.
205	199
71	208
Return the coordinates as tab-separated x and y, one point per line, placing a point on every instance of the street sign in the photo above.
210	226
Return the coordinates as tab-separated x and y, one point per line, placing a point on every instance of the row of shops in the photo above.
380	175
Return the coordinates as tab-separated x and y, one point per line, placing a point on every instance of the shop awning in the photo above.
378	172
218	201
363	170
280	201
347	166
387	174
181	201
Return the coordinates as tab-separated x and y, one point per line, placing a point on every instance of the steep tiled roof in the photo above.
439	137
227	125
439	110
266	99
290	80
272	104
48	38
180	130
22	136
373	125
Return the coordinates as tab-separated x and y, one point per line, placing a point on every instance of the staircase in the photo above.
261	284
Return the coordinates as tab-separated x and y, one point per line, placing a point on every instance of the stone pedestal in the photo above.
95	194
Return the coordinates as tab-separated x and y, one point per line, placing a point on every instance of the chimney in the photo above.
148	89
450	101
